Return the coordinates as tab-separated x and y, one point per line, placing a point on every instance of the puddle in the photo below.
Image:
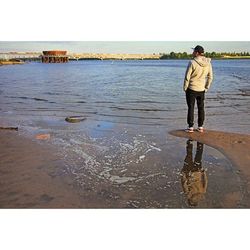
145	171
209	180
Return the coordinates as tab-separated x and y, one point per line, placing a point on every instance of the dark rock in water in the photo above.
74	119
9	128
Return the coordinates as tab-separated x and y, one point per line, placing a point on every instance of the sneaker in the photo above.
189	130
200	129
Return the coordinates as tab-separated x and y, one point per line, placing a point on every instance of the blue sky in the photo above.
124	47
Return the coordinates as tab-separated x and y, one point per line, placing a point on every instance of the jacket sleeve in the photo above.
209	78
187	76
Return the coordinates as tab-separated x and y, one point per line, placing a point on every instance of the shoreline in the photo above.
29	176
235	146
32	173
2	63
117	58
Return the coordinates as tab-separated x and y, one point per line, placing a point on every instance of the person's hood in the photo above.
202	60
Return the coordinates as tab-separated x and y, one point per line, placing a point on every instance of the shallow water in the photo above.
134	92
122	153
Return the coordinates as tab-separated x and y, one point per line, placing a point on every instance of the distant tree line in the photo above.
184	55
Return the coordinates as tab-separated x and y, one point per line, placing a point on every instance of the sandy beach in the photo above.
32	176
2	63
28	176
235	146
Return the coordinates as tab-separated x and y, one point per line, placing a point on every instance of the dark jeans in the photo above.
191	96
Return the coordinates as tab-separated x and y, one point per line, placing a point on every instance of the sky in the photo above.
124	46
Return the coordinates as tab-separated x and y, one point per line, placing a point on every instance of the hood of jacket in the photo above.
202	60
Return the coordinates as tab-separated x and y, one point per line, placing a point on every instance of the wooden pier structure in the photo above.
55	56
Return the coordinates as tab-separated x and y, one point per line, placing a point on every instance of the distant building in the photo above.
55	56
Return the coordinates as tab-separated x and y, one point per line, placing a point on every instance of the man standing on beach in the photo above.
198	78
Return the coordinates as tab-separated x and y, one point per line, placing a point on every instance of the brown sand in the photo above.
235	146
28	176
31	175
10	62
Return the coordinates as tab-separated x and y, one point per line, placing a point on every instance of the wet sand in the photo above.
34	174
235	146
29	175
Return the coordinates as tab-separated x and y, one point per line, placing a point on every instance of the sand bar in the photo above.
235	146
10	63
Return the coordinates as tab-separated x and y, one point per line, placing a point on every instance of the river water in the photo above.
122	153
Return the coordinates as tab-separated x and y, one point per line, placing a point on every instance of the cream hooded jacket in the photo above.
199	74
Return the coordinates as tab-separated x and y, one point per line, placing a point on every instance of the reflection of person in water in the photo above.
193	176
